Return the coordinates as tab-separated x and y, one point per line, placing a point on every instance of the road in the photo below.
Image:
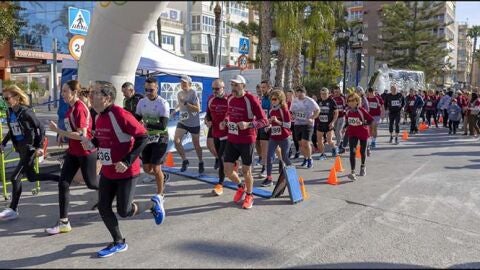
418	207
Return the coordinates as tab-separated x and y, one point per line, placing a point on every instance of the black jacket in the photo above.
31	128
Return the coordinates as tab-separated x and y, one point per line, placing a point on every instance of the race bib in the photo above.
300	115
232	128
429	103
354	121
412	102
67	125
276	130
183	116
103	154
153	139
396	103
16	131
373	105
324	109
323	118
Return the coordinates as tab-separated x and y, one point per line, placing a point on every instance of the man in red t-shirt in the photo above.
216	111
376	110
244	117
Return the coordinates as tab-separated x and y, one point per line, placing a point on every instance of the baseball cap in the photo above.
238	79
186	78
360	89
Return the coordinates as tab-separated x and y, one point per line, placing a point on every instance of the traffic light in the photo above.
360	61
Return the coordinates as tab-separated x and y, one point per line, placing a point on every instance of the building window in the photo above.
208	24
169	40
152	36
196	23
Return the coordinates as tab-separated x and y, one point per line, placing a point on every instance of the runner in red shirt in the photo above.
244	117
357	120
78	123
216	111
341	102
431	107
376	110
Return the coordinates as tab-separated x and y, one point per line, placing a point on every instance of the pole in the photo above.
54	70
345	67
220	47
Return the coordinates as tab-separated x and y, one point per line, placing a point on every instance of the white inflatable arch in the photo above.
116	38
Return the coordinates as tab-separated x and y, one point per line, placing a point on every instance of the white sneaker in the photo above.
8	214
60	227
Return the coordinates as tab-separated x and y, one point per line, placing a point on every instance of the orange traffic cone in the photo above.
338	164
405	135
302	188
332	178
169	162
357	153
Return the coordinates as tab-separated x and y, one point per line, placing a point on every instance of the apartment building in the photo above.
464	54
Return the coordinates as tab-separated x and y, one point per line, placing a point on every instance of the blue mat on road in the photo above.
214	180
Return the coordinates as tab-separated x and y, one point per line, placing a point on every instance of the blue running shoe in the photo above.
334	152
373	144
309	163
112	249
157	210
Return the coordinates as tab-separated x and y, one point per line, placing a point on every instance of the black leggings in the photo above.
220	148
26	166
394	117
124	190
431	114
413	121
295	142
88	167
353	147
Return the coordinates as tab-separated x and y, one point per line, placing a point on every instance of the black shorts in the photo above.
262	135
192	130
154	153
323	127
303	132
209	134
235	150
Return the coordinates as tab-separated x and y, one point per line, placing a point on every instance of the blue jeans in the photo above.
284	146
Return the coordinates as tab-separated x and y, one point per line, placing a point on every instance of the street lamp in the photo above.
349	38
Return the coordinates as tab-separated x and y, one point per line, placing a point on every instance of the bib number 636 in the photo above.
103	154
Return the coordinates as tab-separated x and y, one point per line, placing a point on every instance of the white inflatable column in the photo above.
115	42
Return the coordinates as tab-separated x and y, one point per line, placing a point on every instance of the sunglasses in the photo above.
149	90
7	97
274	99
351	100
234	84
216	88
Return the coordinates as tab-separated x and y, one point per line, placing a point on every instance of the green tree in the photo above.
407	38
474	33
10	21
266	28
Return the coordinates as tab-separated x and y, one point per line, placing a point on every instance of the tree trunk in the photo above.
218	16
280	67
473	58
266	36
297	70
287	77
159	31
251	19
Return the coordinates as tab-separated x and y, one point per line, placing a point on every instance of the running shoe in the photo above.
238	195
263	172
304	163
297	155
334	152
60	227
267	182
368	151
322	157
363	170
112	249
391	139
352	176
218	189
217	164
310	163
248	202
201	167
373	144
157	210
8	214
396	140
341	150
184	165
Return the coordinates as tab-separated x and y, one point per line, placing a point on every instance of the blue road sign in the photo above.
243	46
78	21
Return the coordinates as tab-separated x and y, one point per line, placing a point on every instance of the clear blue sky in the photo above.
468	11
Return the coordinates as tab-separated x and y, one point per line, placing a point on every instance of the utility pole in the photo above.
54	71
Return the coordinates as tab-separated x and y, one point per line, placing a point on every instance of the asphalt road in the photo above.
418	207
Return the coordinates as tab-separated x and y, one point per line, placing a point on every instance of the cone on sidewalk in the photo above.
169	162
338	164
357	153
405	135
302	188
332	178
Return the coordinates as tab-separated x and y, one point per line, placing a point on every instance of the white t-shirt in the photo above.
303	109
156	108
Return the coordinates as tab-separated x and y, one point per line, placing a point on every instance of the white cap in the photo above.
186	78
239	79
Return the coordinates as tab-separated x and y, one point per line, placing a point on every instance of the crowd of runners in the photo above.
271	122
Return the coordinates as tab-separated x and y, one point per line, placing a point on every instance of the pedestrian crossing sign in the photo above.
243	46
78	21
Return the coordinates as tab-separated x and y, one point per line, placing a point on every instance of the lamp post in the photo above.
349	38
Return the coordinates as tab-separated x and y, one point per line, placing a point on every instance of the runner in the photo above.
131	98
154	111
290	94
443	106
414	105
216	112
356	123
394	105
120	139
454	117
279	122
27	135
304	111
327	117
472	114
341	102
376	110
263	135
189	107
78	122
241	123
431	107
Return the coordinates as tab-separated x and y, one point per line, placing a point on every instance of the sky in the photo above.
468	12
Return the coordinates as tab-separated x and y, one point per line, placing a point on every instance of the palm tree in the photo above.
474	33
159	31
40	31
265	37
218	16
